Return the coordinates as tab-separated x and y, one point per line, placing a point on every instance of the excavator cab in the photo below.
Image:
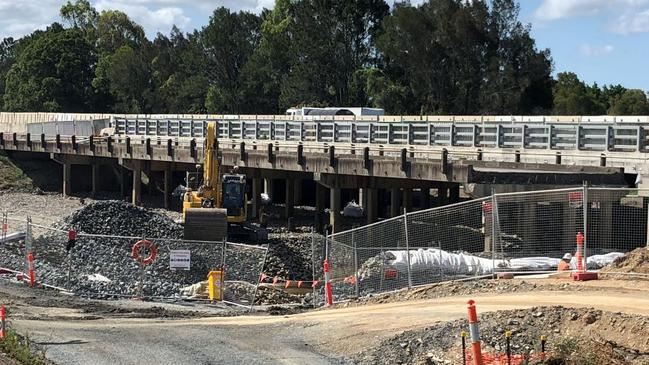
234	197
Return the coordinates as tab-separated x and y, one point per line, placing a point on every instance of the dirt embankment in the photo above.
585	334
636	261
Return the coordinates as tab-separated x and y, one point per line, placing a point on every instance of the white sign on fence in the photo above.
180	259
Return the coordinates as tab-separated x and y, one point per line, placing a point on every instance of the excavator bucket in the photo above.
206	224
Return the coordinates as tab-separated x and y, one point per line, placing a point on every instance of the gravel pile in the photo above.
103	266
441	343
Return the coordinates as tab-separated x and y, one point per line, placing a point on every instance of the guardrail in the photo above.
585	137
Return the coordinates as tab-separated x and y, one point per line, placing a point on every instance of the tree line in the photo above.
441	57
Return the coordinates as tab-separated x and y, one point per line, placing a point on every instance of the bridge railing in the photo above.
590	137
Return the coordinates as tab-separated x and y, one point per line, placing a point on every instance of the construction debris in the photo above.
636	261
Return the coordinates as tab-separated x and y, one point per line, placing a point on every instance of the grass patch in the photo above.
12	177
20	349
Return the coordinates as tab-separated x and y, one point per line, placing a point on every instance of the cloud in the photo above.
629	23
591	50
550	10
152	19
22	17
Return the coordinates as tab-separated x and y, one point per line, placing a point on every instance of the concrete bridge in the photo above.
396	162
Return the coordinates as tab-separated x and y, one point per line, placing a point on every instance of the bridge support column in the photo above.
454	194
95	179
297	192
167	186
371	204
67	178
319	207
425	198
334	211
442	196
362	197
407	199
290	195
136	196
269	186
122	182
395	207
256	196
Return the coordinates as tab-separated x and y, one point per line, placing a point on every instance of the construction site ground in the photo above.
78	331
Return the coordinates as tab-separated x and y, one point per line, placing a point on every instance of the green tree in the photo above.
179	74
52	73
631	102
80	14
129	80
228	42
573	97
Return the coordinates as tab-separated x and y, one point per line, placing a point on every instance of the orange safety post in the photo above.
31	273
327	279
579	255
3	325
474	330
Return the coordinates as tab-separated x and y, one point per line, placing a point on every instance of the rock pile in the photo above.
102	266
440	344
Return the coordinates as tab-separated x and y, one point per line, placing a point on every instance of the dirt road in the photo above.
297	339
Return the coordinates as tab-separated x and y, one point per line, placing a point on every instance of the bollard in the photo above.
508	336
579	255
328	291
476	350
463	335
543	341
3	322
32	273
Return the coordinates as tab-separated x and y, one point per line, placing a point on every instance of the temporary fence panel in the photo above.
243	265
536	229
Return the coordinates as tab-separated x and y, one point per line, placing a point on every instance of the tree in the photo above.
129	80
52	73
80	14
179	74
573	97
458	57
228	42
631	102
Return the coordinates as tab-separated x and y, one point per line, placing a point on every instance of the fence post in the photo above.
357	289
327	277
494	230
585	207
405	224
313	268
28	244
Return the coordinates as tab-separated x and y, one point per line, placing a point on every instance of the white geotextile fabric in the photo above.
434	259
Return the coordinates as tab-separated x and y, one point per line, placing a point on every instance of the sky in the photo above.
603	41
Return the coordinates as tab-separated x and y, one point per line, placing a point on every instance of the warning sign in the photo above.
575	199
180	259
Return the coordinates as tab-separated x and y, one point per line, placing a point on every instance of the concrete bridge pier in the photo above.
290	196
407	200
334	210
256	196
425	198
136	192
371	204
395	204
320	191
269	186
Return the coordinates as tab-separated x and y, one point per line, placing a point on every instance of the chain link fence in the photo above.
106	266
524	232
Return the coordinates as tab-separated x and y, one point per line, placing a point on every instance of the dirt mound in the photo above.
585	332
636	261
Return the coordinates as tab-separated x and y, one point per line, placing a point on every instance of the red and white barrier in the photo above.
32	272
327	279
474	330
3	322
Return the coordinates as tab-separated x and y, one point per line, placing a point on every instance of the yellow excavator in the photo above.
215	209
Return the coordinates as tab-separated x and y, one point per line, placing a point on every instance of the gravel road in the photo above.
300	338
